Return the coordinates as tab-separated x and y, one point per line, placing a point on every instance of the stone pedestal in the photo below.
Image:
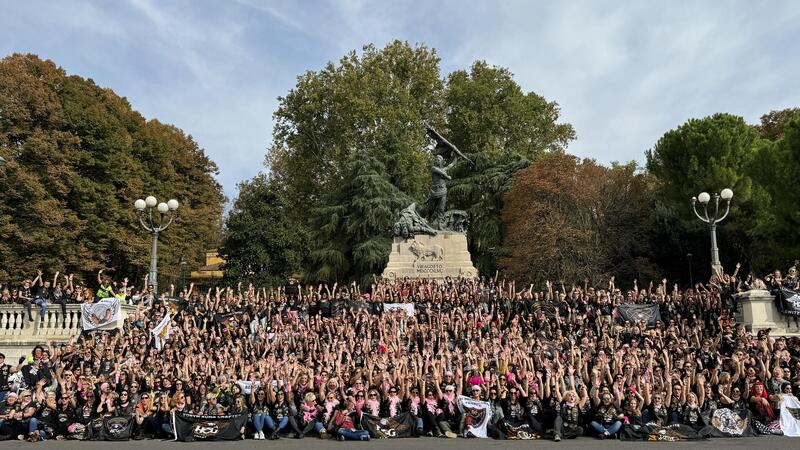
443	255
759	312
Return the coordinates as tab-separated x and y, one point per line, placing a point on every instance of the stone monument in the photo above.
429	241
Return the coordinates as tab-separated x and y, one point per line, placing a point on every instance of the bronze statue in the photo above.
433	217
437	197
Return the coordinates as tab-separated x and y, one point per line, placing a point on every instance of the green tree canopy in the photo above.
350	148
78	156
263	245
710	154
502	129
776	167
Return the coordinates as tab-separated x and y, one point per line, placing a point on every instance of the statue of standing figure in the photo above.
437	197
434	217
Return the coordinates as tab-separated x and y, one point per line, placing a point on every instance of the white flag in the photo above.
790	415
162	331
478	414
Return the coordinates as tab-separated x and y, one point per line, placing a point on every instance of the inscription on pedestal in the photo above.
439	256
423	268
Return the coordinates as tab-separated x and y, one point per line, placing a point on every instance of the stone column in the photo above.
758	310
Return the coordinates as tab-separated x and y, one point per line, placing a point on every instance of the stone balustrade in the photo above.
759	312
18	335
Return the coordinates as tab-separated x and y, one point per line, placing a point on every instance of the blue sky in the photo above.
624	72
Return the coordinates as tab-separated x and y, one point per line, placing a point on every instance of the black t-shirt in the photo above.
5	372
5	408
43	293
607	415
47	415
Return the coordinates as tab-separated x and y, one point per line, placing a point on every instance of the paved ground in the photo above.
762	443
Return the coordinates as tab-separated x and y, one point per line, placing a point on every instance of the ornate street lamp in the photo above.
712	220
165	214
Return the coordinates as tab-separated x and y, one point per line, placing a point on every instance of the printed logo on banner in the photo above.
205	430
729	422
117	426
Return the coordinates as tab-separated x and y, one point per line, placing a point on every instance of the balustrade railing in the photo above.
15	326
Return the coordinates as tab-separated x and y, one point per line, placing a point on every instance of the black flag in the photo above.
399	426
789	301
636	312
116	429
195	427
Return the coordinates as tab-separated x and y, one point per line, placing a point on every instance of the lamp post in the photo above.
712	220
154	226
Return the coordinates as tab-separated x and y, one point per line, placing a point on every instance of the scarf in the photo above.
329	405
450	399
308	412
393	403
414	407
431	406
374	407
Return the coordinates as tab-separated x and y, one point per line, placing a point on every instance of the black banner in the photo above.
672	433
725	422
116	429
636	312
399	426
195	427
789	302
521	431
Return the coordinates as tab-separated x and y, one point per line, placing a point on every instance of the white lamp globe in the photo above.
704	197
150	201
173	204
139	205
163	208
726	194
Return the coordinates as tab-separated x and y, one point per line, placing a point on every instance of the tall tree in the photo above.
503	129
367	109
78	156
570	219
352	236
773	123
776	167
710	154
262	244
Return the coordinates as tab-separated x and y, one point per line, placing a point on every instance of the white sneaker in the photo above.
261	433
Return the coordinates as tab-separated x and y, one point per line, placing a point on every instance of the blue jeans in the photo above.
419	423
354	435
33	424
612	429
259	420
269	422
318	426
42	306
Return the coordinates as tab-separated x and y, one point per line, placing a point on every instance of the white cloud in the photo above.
623	72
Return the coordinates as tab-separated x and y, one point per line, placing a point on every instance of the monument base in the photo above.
443	255
759	313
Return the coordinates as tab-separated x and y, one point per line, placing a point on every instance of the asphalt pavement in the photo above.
761	443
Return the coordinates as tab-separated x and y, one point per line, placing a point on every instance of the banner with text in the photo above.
478	413
195	427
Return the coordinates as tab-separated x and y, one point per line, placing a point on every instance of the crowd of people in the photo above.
313	360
